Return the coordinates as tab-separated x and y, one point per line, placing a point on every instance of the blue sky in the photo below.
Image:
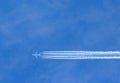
27	26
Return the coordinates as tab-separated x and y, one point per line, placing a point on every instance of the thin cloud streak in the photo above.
80	55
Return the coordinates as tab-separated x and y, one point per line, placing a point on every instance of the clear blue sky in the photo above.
27	26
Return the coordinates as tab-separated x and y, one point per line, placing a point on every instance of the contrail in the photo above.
78	54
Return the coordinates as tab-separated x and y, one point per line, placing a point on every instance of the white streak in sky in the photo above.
79	54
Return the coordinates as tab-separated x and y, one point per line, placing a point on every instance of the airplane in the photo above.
36	54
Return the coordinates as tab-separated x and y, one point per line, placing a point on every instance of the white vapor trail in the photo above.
79	54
